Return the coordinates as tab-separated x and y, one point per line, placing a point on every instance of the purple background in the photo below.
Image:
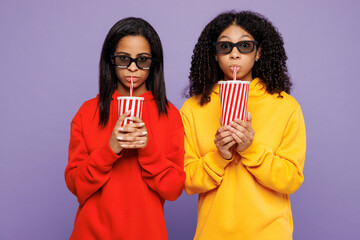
49	55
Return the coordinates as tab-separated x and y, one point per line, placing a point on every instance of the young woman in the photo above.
243	172
121	176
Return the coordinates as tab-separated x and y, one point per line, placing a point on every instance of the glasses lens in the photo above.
224	47
122	61
245	46
143	62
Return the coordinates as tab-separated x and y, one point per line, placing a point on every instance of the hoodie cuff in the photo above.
250	156
149	152
105	157
217	162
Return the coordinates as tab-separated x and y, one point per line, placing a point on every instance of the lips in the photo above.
234	66
135	79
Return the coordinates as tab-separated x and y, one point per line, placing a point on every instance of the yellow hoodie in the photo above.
246	197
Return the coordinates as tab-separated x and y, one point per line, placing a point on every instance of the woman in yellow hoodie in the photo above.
243	172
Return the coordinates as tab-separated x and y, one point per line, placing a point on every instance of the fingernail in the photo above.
141	124
144	133
121	129
123	146
141	141
120	138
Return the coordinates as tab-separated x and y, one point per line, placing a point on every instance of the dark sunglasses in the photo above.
123	61
225	47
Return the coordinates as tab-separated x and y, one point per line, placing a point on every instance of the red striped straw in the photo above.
131	86
234	72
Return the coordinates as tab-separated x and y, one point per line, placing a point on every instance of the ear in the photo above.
258	54
216	58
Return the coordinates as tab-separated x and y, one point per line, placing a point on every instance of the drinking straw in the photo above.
131	86
234	72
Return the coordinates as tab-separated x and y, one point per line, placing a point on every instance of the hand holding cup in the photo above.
242	133
130	136
133	135
113	141
224	142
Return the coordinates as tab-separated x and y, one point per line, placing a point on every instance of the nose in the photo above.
234	54
132	67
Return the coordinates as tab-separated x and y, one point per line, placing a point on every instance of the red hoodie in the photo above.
122	196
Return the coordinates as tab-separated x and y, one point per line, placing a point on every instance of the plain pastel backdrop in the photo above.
49	54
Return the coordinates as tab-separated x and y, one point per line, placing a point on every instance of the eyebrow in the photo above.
243	36
139	54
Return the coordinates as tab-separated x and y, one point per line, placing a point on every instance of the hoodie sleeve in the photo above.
203	172
281	170
86	173
163	171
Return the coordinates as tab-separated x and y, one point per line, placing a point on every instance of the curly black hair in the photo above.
270	68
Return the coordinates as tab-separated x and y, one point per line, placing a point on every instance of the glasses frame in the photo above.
131	61
235	45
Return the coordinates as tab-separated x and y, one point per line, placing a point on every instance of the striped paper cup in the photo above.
234	100
133	104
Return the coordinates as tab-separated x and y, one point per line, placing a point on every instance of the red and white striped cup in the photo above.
133	104
234	96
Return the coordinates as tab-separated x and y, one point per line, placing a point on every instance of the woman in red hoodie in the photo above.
121	176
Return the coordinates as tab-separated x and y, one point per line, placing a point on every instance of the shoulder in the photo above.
173	114
288	101
172	110
258	91
91	103
284	105
193	106
89	107
189	106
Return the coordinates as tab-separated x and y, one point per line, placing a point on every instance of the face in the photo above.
134	47
243	62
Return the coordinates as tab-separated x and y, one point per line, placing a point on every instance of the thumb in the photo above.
249	118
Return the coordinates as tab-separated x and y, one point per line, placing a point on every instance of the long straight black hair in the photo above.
108	80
